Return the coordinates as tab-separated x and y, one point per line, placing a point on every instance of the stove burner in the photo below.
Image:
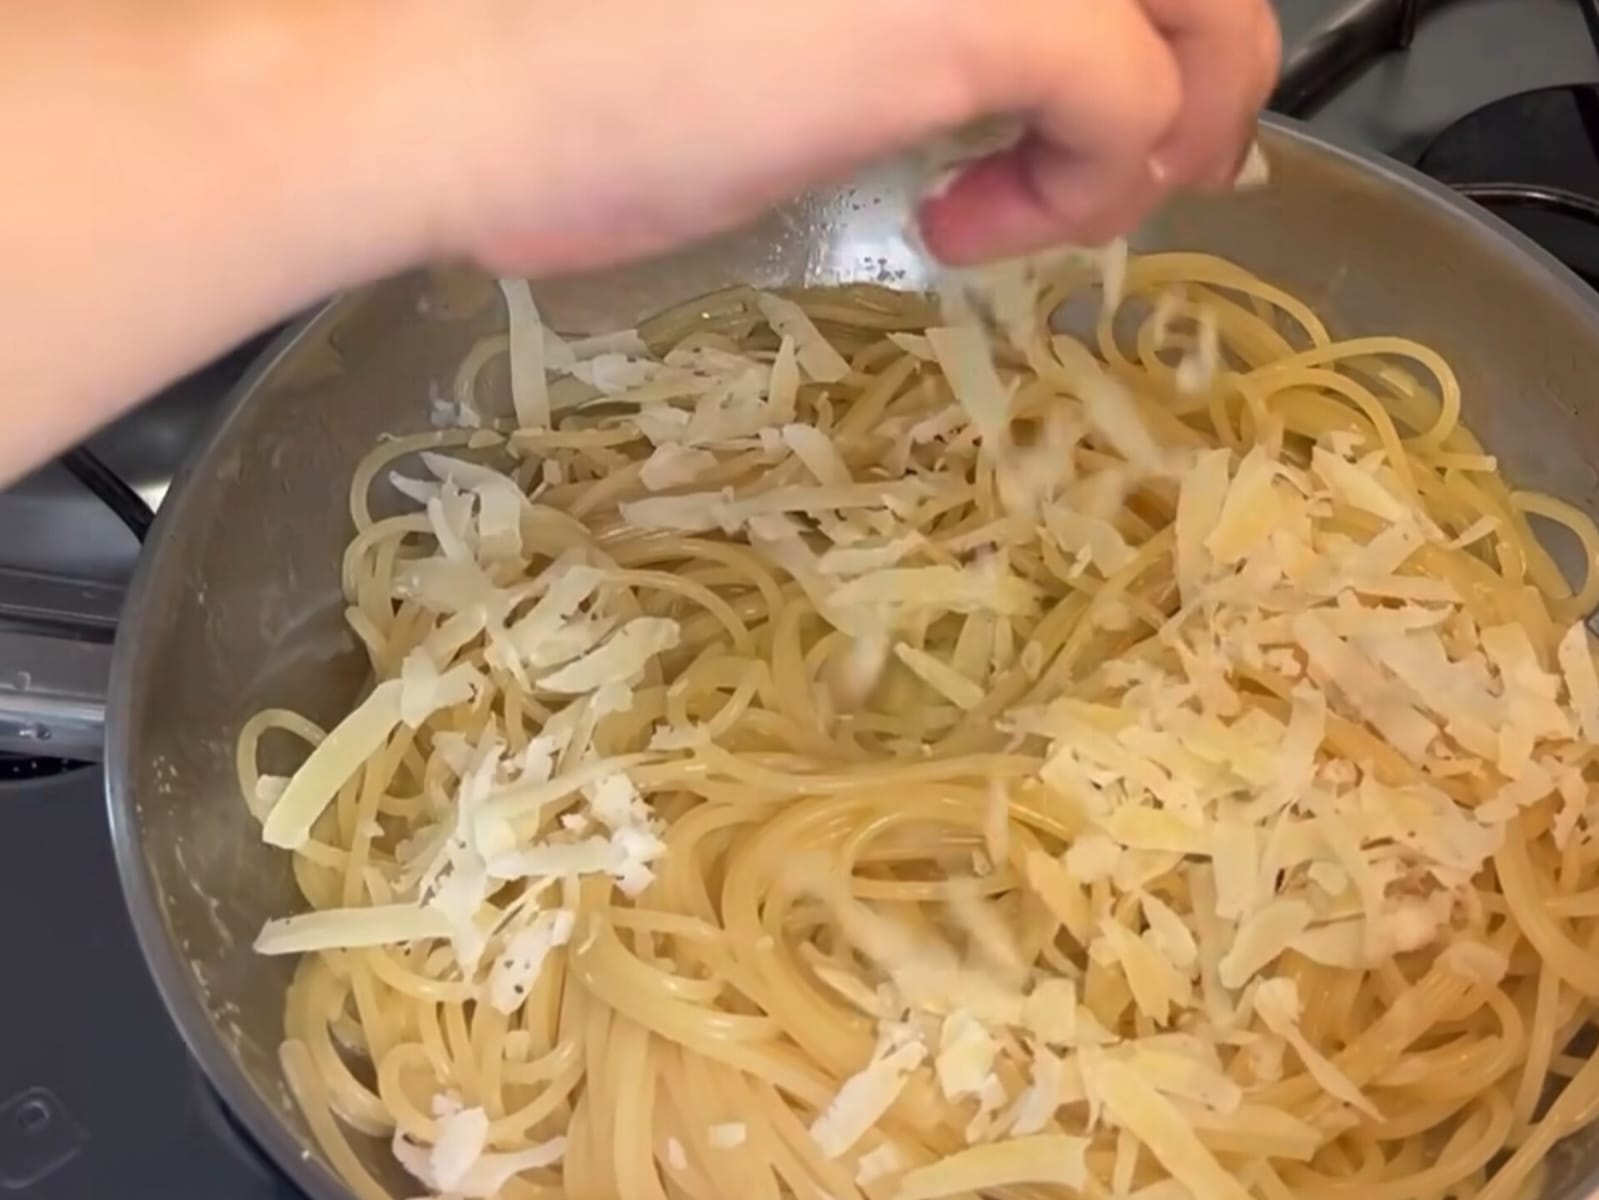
1532	160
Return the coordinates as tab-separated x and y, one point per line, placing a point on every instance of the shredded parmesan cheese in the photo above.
529	389
621	659
877	1164
864	1098
1134	1105
350	929
1582	681
335	759
940	676
965	1056
517	968
963	354
816	357
1262	936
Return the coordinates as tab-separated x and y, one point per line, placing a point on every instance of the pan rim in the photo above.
163	956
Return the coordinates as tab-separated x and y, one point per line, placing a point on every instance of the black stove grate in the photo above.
16	767
1531	159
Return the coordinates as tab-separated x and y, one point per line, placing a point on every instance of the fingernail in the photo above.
938	186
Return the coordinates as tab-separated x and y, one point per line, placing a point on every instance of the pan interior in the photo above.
237	607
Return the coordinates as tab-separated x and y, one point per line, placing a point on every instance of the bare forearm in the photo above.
177	173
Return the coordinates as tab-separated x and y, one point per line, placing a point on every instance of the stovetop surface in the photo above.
97	1094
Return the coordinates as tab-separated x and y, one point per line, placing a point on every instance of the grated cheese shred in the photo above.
864	1098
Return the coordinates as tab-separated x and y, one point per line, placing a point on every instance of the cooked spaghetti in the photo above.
853	743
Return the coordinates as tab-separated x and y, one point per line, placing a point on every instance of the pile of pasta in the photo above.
850	743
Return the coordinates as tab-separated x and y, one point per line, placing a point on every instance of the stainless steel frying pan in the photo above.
235	605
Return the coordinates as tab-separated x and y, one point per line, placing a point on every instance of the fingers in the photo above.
1129	99
1104	88
1032	196
1228	53
1125	99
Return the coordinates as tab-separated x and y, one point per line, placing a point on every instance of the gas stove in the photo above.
97	1093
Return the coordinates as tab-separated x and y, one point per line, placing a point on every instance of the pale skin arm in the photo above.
175	174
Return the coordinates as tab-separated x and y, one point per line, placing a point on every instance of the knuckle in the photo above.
1268	48
1157	100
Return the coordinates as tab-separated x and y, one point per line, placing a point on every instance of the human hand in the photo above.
214	164
608	129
